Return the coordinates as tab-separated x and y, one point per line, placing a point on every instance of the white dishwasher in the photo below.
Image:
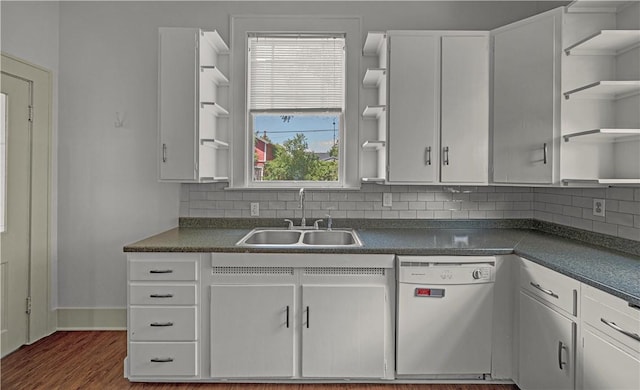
445	316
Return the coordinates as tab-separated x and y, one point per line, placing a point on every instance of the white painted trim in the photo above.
87	318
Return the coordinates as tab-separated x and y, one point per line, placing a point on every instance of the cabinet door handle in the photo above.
287	317
164	153
548	292
613	325
445	152
161	324
307	317
161	360
427	155
544	153
561	347
161	296
161	271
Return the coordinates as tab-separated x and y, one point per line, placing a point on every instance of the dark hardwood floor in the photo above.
94	360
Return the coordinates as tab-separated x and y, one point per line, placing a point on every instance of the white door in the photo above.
547	351
524	96
252	331
448	335
343	331
14	246
177	103
464	123
607	367
413	108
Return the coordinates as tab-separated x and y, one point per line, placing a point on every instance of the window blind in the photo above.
296	72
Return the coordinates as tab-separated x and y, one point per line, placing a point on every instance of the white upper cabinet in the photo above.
464	128
525	100
192	118
438	107
566	92
413	107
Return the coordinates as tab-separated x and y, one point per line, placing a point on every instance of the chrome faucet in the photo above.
303	222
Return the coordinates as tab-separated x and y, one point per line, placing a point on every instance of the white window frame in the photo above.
242	138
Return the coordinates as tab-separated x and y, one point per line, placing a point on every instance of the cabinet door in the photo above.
413	103
177	103
252	331
607	367
524	98
546	347
465	109
343	331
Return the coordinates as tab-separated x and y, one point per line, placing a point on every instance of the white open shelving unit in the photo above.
213	116
601	89
373	159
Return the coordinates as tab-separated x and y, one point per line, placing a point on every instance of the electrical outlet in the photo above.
255	209
387	200
598	207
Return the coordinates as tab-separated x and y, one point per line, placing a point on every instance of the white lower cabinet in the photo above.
162	313
547	352
610	347
252	331
343	331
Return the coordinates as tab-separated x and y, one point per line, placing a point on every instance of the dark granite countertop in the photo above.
613	271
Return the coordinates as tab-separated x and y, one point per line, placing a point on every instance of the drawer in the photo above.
163	359
550	286
163	324
612	316
163	270
162	294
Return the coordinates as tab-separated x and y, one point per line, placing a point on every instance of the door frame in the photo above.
43	319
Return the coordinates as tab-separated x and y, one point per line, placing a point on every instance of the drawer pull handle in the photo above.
307	317
161	296
561	347
619	329
158	324
161	360
287	316
548	292
161	271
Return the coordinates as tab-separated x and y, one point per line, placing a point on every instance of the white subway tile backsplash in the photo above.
566	206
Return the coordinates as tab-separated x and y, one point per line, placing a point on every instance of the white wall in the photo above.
29	31
108	192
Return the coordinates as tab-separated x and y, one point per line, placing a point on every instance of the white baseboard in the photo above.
92	318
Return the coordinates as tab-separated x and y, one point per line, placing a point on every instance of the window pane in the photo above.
291	146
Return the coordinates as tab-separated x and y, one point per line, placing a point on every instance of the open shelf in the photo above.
373	111
214	143
373	43
214	108
212	73
567	182
606	90
373	77
373	145
216	41
605	42
604	135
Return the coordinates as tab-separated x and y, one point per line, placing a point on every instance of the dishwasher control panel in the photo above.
446	270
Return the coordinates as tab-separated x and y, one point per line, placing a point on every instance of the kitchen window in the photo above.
295	95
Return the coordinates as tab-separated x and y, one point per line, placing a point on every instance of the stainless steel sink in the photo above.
330	238
299	238
274	237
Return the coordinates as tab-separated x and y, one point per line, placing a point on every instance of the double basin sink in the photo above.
300	238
